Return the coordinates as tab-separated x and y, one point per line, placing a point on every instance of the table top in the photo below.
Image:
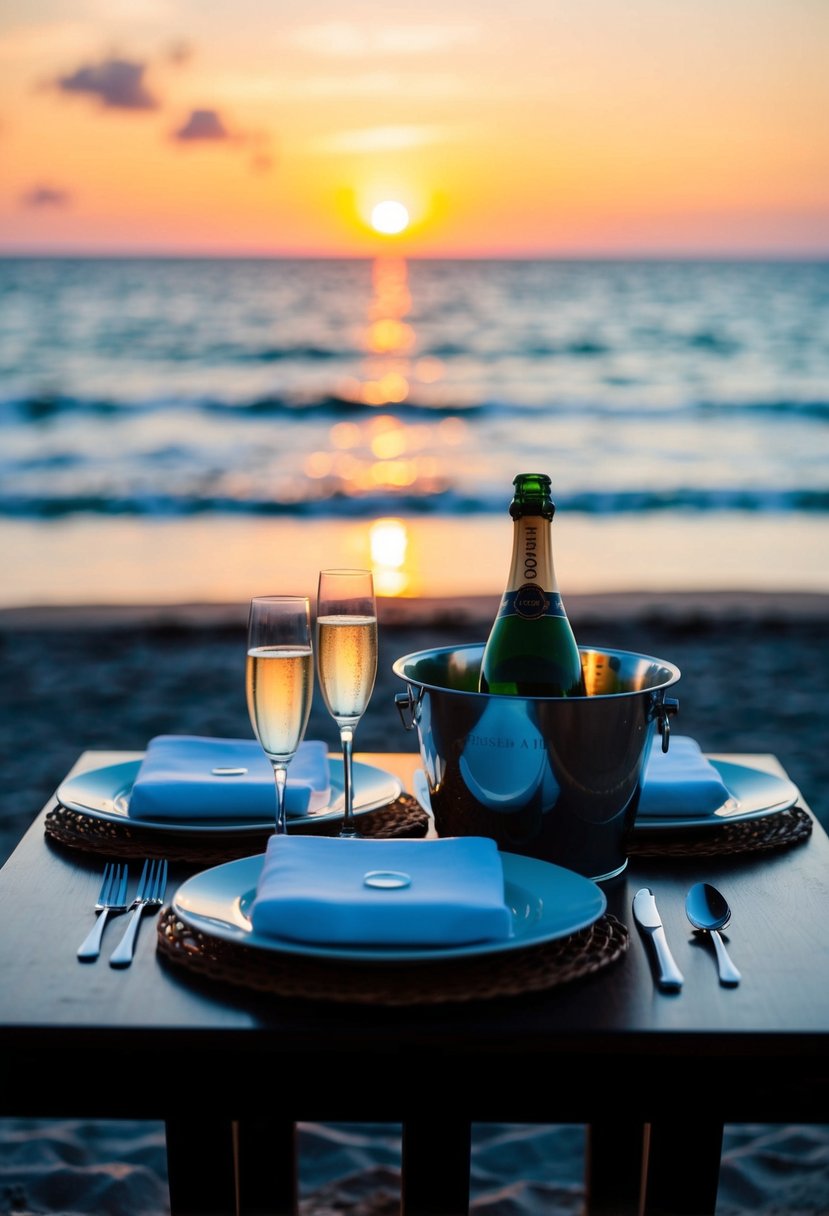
767	1037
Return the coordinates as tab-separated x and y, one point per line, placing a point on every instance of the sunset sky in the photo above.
534	127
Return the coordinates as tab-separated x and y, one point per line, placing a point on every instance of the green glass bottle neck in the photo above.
532	554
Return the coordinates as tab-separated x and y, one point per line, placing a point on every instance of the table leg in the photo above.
682	1167
614	1168
266	1167
435	1167
200	1169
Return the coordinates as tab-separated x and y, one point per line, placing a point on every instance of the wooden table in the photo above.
654	1076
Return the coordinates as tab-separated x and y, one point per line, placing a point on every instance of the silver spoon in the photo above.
708	910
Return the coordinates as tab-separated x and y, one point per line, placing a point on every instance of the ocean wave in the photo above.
332	405
298	405
306	351
44	407
815	408
47	407
334	501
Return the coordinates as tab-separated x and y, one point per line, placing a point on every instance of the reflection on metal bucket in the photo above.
504	760
549	777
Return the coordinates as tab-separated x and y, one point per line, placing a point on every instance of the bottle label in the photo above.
531	602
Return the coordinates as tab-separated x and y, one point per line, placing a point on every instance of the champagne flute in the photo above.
346	660
279	681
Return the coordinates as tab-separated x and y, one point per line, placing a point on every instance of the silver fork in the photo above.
150	894
112	897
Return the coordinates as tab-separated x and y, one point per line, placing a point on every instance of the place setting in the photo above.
191	798
697	805
405	922
197	799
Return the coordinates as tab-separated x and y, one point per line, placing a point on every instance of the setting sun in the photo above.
389	217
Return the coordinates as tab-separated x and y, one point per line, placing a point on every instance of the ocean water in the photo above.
155	413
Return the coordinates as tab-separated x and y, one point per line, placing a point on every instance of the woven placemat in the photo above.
406	817
777	831
481	977
403	817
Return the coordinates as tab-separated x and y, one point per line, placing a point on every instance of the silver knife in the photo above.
648	919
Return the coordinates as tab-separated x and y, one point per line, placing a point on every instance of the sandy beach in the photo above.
754	668
67	1168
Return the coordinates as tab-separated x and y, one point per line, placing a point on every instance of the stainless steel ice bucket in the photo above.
551	777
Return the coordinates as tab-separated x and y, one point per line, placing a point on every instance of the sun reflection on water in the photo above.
389	540
386	453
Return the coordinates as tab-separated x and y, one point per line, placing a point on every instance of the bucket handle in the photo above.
665	709
407	706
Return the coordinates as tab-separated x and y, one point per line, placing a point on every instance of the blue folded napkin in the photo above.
680	782
178	779
327	890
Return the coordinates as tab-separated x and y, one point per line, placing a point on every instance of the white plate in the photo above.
754	793
547	902
104	793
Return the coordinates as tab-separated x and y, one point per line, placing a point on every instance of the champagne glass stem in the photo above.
347	739
280	773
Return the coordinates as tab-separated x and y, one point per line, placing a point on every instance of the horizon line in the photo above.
817	255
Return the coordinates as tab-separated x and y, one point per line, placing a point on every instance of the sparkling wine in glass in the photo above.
346	660
279	681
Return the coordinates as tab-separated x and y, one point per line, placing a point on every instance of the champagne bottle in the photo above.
531	650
